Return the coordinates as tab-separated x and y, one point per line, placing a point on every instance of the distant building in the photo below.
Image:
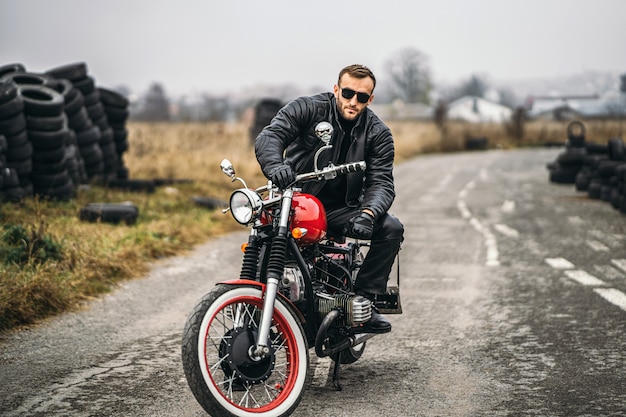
399	110
478	110
608	106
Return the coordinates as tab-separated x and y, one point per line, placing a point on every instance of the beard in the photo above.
342	109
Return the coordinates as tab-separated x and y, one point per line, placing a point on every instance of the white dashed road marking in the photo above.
584	278
597	246
559	263
620	263
612	295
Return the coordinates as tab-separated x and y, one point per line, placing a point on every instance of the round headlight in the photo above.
244	204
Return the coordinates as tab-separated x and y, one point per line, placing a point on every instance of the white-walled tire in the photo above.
216	338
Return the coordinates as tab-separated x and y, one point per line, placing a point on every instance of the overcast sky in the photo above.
224	46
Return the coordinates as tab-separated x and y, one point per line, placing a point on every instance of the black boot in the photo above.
377	323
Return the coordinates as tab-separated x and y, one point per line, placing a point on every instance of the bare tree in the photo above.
410	76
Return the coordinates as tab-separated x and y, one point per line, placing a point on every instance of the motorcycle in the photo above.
245	347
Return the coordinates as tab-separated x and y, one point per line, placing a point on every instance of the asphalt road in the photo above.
513	291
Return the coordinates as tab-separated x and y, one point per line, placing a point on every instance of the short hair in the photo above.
357	71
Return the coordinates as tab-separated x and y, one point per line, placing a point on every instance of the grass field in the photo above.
51	262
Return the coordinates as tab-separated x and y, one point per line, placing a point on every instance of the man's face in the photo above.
351	108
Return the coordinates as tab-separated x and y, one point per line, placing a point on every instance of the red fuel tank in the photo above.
309	214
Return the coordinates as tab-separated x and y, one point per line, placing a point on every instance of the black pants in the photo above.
384	246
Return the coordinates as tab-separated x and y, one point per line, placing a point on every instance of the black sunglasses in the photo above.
348	93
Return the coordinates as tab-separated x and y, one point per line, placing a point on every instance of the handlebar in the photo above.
328	173
331	171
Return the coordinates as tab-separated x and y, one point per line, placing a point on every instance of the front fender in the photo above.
250	283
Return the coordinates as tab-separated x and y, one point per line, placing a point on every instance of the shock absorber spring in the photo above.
276	264
250	259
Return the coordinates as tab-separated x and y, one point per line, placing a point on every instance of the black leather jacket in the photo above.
292	134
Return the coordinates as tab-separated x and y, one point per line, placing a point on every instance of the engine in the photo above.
357	309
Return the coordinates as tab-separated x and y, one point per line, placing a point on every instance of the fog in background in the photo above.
192	46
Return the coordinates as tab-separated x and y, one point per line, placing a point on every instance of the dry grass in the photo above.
94	257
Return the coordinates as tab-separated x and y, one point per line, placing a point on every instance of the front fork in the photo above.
275	271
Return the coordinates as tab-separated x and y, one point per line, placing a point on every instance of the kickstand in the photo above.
336	383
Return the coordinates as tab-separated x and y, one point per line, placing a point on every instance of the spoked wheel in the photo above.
217	341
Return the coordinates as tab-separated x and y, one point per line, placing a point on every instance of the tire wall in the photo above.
58	130
594	168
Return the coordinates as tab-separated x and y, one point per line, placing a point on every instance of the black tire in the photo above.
64	192
48	123
71	72
48	140
597	148
476	143
48	168
96	112
582	181
47	181
571	157
80	120
28	79
576	134
562	175
73	105
109	213
116	116
112	98
88	136
13	125
616	149
10	178
91	154
41	100
87	86
276	383
20	153
9	68
8	91
18	139
594	190
23	167
11	107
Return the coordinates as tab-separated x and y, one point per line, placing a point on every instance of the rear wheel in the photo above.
225	380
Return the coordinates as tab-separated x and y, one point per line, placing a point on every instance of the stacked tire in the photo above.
116	108
48	134
72	104
588	178
44	172
16	150
570	162
600	168
82	119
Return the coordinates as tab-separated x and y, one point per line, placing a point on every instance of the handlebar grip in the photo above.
351	167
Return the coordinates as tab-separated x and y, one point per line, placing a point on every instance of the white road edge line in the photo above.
491	244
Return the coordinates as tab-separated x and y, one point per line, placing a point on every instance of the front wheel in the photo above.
223	377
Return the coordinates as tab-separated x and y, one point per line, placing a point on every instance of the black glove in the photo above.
282	176
361	226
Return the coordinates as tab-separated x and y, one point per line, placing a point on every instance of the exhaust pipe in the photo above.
322	337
